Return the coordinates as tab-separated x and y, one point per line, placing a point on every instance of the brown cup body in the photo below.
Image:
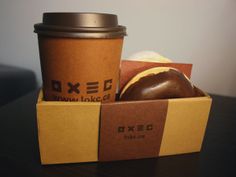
80	69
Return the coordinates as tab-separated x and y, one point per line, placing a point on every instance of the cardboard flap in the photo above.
130	68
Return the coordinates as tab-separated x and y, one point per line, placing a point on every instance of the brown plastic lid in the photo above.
80	25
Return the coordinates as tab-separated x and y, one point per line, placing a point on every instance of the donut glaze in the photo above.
170	83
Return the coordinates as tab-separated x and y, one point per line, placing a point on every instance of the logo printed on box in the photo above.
130	132
131	129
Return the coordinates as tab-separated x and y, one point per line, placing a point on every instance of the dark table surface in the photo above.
19	154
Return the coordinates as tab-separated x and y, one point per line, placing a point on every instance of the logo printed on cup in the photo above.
74	88
92	87
56	86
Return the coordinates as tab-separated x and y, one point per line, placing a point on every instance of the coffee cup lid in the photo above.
80	25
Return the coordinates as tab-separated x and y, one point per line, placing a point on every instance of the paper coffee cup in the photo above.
80	56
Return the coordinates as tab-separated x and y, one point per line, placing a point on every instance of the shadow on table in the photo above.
15	82
180	165
172	166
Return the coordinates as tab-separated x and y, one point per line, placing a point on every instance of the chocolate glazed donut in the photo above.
158	83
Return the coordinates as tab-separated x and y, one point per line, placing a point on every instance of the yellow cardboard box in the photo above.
185	125
71	132
67	132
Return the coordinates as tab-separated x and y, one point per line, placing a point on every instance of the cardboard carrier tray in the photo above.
72	132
